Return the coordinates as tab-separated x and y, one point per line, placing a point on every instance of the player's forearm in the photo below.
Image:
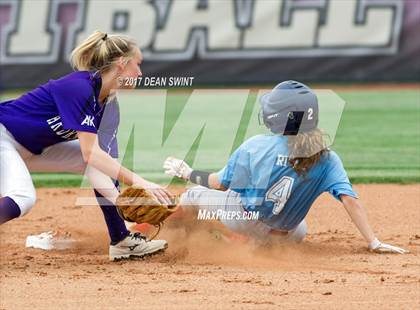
358	215
103	162
94	156
206	179
111	167
214	182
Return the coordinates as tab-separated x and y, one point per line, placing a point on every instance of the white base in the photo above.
47	241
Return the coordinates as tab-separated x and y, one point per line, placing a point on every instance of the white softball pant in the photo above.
16	162
212	200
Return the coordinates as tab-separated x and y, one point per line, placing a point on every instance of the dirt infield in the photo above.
330	270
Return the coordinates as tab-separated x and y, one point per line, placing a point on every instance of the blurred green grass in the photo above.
378	138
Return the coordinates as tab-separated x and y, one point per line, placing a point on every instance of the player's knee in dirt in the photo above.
186	202
191	196
299	233
24	199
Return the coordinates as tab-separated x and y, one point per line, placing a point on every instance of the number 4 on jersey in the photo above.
279	193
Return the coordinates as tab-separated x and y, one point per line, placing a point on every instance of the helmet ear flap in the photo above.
294	120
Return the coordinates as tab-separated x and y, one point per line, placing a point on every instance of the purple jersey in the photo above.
53	112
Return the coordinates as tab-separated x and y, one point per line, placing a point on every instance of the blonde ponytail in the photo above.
100	50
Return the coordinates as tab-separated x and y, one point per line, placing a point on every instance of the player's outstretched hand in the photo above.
379	247
177	168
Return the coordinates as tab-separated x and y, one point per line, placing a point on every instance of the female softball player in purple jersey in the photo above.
277	176
69	125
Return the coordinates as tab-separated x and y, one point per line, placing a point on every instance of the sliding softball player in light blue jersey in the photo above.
278	176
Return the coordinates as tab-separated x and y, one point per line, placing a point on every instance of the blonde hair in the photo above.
306	150
99	51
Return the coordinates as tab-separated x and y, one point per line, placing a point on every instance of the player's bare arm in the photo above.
359	217
99	159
